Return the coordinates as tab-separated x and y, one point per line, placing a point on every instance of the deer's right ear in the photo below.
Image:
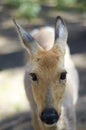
61	33
28	42
60	29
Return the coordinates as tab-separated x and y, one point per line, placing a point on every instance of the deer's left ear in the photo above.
61	33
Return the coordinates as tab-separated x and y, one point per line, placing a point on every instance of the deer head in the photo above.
48	74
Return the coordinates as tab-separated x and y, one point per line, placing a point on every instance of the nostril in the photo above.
49	116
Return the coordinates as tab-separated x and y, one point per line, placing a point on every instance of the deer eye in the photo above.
63	75
33	76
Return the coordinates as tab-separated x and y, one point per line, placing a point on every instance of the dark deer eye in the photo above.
33	76
63	75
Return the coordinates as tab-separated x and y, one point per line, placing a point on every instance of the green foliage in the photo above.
29	10
14	3
71	5
25	8
66	2
81	1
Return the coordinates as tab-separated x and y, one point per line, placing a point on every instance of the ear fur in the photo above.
60	29
28	42
61	33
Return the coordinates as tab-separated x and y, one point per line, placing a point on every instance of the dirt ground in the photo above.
11	58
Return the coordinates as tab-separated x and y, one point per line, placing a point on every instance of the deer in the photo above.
51	79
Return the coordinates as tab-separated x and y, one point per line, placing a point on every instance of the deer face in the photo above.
48	75
48	79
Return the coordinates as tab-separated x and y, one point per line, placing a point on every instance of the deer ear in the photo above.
61	32
28	42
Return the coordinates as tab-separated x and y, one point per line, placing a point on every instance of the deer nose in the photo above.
49	116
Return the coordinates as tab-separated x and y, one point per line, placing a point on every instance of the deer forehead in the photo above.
48	61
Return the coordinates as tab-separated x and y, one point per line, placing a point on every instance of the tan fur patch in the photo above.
45	65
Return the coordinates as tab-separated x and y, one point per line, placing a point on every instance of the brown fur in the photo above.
45	65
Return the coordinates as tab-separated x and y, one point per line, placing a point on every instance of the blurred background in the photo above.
14	108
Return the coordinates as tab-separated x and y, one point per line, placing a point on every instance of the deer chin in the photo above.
50	125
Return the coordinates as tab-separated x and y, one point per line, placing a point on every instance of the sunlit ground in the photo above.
12	94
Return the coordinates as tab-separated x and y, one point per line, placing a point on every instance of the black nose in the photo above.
49	116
